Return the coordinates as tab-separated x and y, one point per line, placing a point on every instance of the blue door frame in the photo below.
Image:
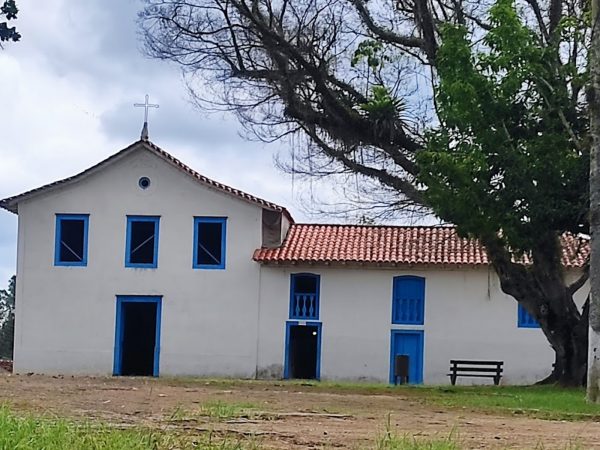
288	325
414	359
120	324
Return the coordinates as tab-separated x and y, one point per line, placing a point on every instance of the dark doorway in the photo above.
138	329
303	351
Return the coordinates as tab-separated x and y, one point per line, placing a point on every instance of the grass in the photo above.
546	402
391	441
218	411
30	433
27	432
407	442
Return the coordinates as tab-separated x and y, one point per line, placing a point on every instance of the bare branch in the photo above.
383	33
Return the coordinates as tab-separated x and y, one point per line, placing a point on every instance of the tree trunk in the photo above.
566	332
593	376
542	290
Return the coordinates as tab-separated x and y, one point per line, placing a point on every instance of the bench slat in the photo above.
476	369
481	363
473	375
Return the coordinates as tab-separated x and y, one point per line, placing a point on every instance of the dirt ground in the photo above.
284	416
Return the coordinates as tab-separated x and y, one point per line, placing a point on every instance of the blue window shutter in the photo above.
408	301
304	296
526	320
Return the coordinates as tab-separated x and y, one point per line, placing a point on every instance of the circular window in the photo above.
144	182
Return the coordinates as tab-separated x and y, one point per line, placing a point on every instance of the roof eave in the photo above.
8	205
367	264
11	203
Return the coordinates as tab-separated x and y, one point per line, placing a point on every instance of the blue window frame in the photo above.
210	235
141	249
526	320
71	240
408	300
304	296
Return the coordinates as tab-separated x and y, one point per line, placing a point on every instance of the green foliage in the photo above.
372	52
9	11
384	110
7	319
508	155
382	106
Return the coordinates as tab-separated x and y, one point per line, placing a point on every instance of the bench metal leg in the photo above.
497	380
453	379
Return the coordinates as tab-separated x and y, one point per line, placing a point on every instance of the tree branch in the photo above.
578	284
382	33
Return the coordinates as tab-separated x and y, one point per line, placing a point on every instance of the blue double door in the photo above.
409	343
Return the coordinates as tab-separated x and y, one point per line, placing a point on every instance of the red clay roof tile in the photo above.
391	246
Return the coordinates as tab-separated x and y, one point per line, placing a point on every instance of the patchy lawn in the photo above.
120	413
547	402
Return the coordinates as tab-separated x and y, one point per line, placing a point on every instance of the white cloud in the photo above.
67	92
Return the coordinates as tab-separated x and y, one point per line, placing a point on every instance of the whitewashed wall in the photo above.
466	316
232	322
66	315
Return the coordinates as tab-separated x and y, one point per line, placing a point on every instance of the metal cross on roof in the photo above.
145	105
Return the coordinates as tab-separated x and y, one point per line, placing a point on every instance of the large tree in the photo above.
471	110
7	319
593	385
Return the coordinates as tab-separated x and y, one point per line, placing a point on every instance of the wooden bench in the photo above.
469	368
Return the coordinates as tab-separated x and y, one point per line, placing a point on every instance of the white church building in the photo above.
141	266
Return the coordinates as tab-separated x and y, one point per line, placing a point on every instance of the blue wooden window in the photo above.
209	242
408	302
71	240
142	241
526	320
304	296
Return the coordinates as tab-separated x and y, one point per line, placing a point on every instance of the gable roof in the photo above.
391	246
11	203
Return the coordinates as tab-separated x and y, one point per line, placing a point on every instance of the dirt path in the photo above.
281	415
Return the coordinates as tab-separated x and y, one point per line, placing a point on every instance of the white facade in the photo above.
232	322
65	321
466	317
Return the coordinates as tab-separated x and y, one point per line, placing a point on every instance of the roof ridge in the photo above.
10	203
443	226
216	183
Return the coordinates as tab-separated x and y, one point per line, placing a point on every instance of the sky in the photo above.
67	91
